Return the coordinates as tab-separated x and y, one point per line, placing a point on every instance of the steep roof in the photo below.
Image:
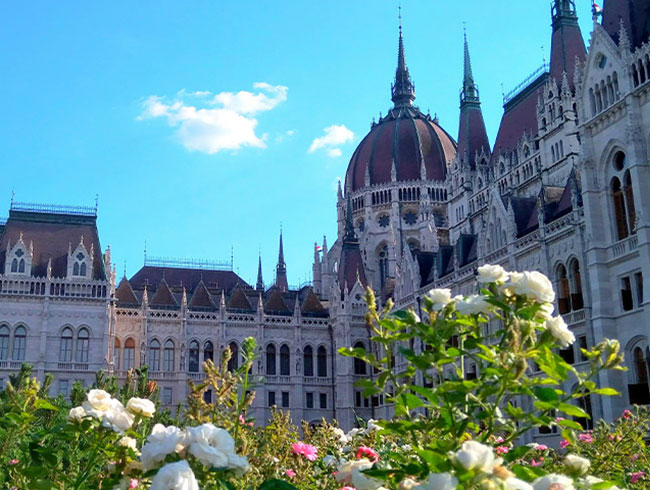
635	15
190	278
124	294
311	305
52	233
525	212
201	297
163	295
466	249
275	303
238	300
567	42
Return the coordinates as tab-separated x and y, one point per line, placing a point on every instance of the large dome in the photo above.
408	138
405	137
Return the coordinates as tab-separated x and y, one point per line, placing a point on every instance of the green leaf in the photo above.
276	484
412	401
602	485
545	394
573	410
41	404
606	392
571	424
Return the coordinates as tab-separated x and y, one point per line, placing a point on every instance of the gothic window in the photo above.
82	345
383	265
361	225
285	361
168	356
592	101
4	342
65	347
577	302
79	266
75	269
193	359
208	351
154	355
21	265
629	202
619	209
384	221
359	365
322	361
82	269
233	363
129	353
308	355
563	303
20	339
116	354
270	360
640	366
410	218
584	402
14	265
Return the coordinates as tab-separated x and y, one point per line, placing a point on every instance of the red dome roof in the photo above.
407	137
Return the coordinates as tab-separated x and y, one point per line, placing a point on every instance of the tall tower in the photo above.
260	281
281	269
567	42
403	90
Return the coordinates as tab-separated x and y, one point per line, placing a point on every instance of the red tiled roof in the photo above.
351	268
567	44
275	302
163	296
190	278
201	297
404	136
238	300
51	235
472	135
311	304
125	295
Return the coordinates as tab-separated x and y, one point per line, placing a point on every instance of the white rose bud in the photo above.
560	331
553	482
534	285
175	476
141	406
472	305
439	481
577	463
76	414
473	455
99	400
440	298
129	442
492	273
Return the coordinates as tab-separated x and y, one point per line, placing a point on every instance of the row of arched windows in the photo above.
168	355
641	71
124	358
18	266
17	343
409	194
604	94
569	287
381	197
71	347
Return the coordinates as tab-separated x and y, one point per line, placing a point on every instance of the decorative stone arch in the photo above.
636	342
613	146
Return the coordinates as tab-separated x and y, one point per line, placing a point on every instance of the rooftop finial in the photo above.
403	90
470	89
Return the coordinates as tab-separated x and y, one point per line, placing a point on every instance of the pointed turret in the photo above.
635	17
260	281
472	136
403	90
351	263
281	269
567	42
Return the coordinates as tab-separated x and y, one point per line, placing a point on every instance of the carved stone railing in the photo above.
623	247
56	288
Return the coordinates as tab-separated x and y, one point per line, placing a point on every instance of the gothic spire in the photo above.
260	282
403	90
350	236
281	269
470	90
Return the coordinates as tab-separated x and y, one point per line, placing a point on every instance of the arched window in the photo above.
20	339
322	361
193	361
619	209
154	355
82	345
308	355
75	269
233	363
4	342
629	202
285	361
270	359
21	265
168	356
129	353
65	347
383	265
640	366
82	269
577	302
584	402
563	291
208	351
359	365
14	265
116	354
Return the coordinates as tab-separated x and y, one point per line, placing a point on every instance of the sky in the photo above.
206	126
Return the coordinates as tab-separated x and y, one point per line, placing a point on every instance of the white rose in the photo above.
141	406
161	442
175	476
372	426
577	463
76	414
439	297
517	484
439	481
127	441
351	473
492	273
546	311
534	285
408	484
473	455
561	482
117	418
472	305
91	412
353	432
560	331
215	448
99	400
341	435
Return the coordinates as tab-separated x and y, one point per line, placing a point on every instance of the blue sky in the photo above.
198	122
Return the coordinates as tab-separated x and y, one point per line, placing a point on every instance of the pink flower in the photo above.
307	450
13	462
133	483
499	440
634	457
559	419
537	463
366	452
290	473
627	414
586	438
635	477
564	443
502	450
541	447
348	488
612	437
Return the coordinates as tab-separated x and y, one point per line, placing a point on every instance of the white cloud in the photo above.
200	126
335	135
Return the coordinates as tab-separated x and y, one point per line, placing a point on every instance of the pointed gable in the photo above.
238	300
163	296
124	294
466	249
275	303
201	297
312	305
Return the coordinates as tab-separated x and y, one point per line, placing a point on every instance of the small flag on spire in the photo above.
596	10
